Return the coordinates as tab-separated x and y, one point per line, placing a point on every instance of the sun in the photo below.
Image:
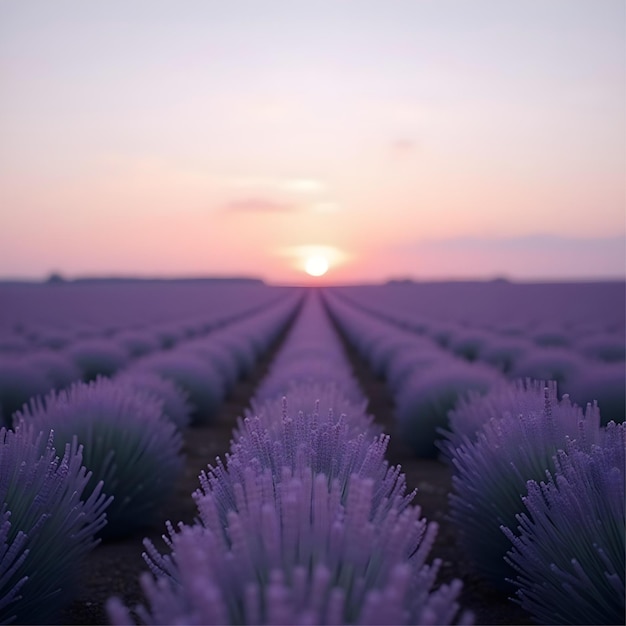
316	265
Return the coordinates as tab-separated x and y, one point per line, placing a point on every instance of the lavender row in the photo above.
304	522
427	378
538	485
52	315
571	333
141	411
550	313
207	368
126	432
312	359
35	373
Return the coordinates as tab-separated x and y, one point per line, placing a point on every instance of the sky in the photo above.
425	139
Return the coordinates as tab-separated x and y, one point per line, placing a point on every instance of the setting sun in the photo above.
316	266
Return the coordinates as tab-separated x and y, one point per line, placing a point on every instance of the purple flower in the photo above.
492	470
136	343
12	555
326	399
550	338
409	363
606	384
56	366
474	410
422	405
470	344
568	550
305	522
175	401
298	552
97	357
311	356
220	358
128	444
553	363
48	519
200	380
19	382
327	443
609	347
505	352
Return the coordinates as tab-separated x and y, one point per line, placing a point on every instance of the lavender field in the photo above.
228	452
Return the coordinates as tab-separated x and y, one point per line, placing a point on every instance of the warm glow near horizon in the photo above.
414	139
316	266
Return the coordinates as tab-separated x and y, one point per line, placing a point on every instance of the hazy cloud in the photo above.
523	242
303	185
287	193
325	207
258	205
403	147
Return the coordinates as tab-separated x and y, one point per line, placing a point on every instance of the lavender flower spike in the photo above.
47	524
325	443
292	553
569	555
474	410
12	555
491	474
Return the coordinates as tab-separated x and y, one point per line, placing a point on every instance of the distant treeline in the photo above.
58	278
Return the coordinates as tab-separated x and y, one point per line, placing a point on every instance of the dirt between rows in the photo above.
113	568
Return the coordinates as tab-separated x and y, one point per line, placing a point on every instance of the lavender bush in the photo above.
470	344
174	400
491	474
292	553
504	353
317	402
220	359
550	338
48	518
326	443
609	347
137	343
422	405
167	335
242	350
443	333
604	383
406	364
568	550
19	381
54	339
194	375
128	444
559	364
11	343
311	356
474	409
310	372
57	367
97	357
12	555
394	347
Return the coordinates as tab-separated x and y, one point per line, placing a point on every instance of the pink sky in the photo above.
425	139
